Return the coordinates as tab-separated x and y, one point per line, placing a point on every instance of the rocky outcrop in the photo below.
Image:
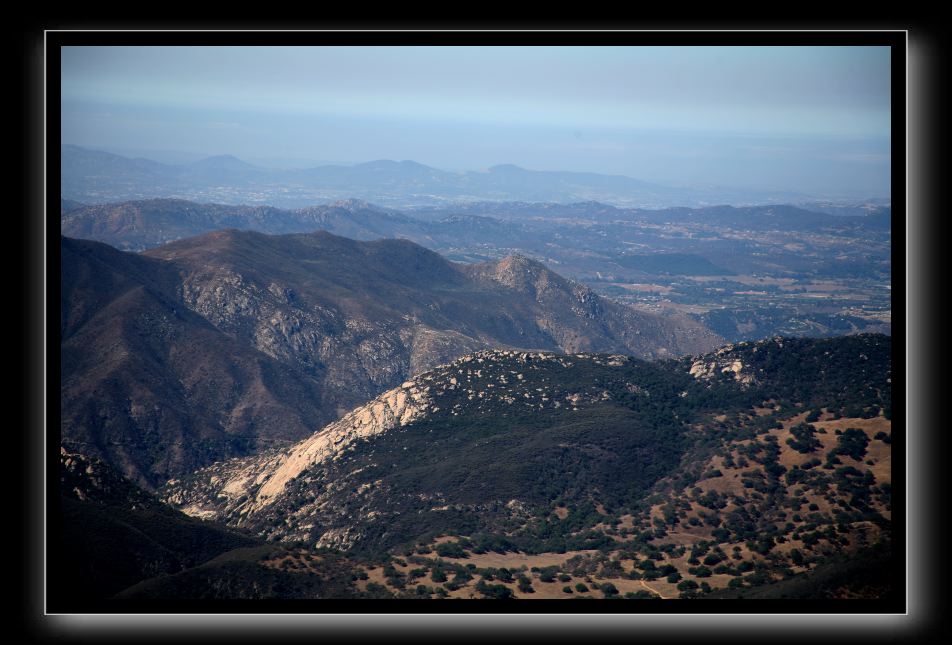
248	485
721	362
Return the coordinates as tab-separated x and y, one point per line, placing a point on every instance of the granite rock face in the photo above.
245	487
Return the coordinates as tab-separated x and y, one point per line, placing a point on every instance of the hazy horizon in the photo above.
813	120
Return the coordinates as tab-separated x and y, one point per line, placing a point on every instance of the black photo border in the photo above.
567	617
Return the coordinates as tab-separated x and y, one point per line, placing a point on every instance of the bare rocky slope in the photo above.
233	342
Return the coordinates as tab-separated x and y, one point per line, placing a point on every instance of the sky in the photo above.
809	119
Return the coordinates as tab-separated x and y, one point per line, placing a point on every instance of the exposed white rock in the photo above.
707	370
337	538
201	513
398	407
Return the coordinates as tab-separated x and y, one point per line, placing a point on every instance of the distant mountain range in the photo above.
233	342
606	247
140	225
93	176
143	224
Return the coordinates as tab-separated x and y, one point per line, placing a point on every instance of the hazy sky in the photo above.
809	119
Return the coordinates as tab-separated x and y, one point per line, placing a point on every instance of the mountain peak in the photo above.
378	163
400	167
222	162
522	274
517	263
